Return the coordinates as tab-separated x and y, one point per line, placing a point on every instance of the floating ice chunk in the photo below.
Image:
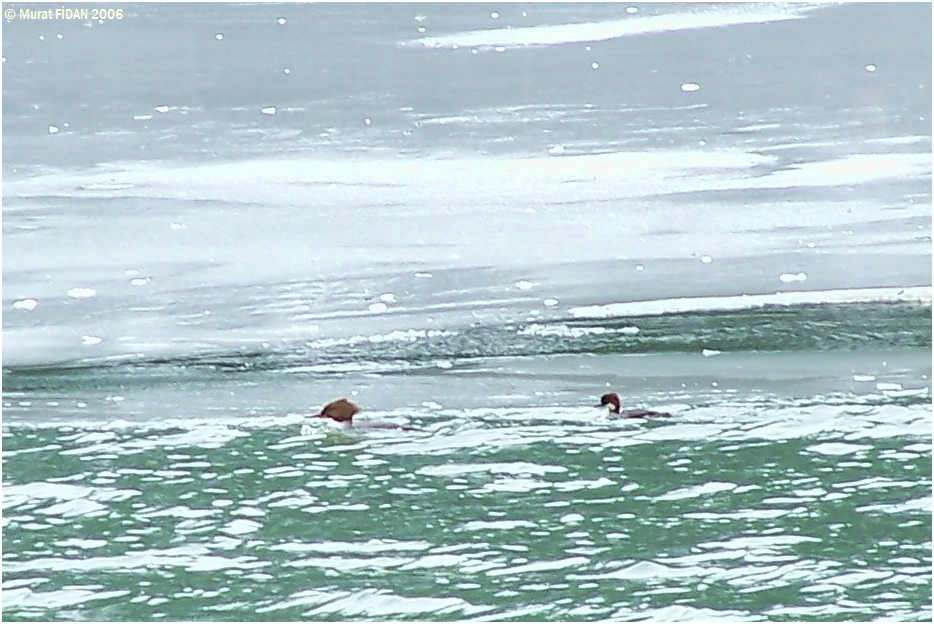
268	110
423	275
870	68
473	51
788	278
631	331
162	109
420	18
888	386
140	281
556	150
432	405
494	15
524	285
368	121
595	65
864	377
690	87
706	259
142	117
177	226
90	341
82	293
639	267
572	518
632	10
388	298
54	130
378	307
444	364
219	36
131	272
25	304
59	36
500	48
281	21
710	352
286	71
422	29
550	303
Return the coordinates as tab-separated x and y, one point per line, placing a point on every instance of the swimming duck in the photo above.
342	411
611	400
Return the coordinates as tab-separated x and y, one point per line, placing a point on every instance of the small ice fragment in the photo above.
53	130
90	340
281	21
706	259
500	48
422	29
25	304
82	293
524	285
494	15
140	281
556	150
810	245
787	278
888	386
286	71
710	352
524	14
423	275
162	109
473	51
550	303
870	68
131	272
444	364
60	36
269	110
81	404
571	518
632	10
142	117
690	87
639	267
420	18
864	377
117	398
368	121
41	37
219	36
177	226
595	65
632	330
431	405
378	307
715	384
388	298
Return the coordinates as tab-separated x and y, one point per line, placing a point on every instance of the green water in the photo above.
792	485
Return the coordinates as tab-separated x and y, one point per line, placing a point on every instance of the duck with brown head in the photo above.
343	411
611	401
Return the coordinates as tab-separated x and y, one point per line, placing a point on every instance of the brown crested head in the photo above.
340	410
611	399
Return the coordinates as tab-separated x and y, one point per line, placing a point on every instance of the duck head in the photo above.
340	410
611	401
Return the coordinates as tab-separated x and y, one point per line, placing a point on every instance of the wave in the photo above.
560	34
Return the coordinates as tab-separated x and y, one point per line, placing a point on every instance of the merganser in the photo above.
611	400
342	411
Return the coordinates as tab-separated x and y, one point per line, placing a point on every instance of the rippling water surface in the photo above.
472	220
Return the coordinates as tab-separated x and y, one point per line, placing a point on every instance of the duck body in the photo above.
342	411
611	400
